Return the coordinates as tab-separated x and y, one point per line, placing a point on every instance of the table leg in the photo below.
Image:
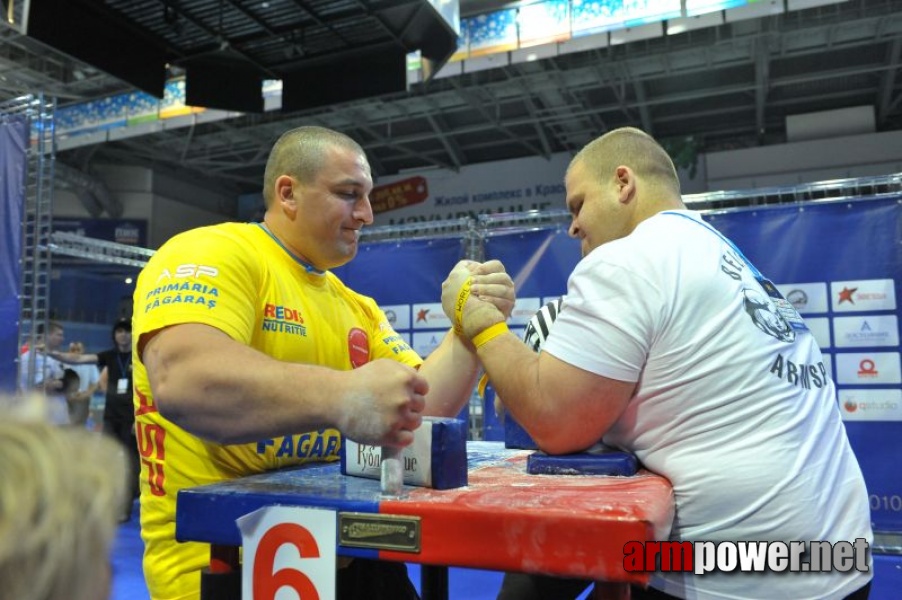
611	590
222	579
434	582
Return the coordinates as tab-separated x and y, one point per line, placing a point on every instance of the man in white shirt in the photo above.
39	372
672	345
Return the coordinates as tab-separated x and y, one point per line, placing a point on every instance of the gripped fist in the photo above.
490	300
382	404
491	283
452	285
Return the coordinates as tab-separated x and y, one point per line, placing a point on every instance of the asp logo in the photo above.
188	270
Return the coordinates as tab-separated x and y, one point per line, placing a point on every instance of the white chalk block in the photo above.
392	471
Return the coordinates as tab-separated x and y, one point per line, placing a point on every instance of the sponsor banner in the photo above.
870	405
399	194
544	22
863	295
820	329
430	316
868	368
398	315
866	330
807	298
424	342
493	32
122	231
516	185
828	364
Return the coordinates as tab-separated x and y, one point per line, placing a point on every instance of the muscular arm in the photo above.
451	370
452	367
562	407
222	390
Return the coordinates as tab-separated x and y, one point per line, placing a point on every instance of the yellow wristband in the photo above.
490	333
482	384
462	298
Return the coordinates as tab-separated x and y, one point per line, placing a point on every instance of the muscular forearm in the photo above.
564	408
451	370
227	392
513	371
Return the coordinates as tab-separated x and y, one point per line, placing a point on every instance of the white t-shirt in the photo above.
87	375
733	405
45	368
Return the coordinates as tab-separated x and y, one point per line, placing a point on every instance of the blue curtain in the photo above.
13	148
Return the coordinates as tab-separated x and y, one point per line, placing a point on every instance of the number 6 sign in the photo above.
288	548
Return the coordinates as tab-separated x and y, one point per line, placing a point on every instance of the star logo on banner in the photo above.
421	315
846	295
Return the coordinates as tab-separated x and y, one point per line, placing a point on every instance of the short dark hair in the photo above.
299	152
634	148
125	324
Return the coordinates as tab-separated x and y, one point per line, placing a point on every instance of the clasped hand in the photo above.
383	404
490	300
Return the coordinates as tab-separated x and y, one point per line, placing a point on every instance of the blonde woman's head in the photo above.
60	491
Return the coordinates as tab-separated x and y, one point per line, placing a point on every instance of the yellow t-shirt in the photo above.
239	279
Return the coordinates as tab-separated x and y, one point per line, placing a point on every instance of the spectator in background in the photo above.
39	371
88	383
119	409
116	381
60	488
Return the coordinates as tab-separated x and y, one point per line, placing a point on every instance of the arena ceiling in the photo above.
715	88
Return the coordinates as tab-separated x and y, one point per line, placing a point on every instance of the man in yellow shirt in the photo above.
250	355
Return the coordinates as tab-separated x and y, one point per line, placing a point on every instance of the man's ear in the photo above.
285	194
626	183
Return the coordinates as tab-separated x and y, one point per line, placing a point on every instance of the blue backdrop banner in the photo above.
13	148
540	261
840	264
409	271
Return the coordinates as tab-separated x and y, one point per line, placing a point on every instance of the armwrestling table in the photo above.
504	519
